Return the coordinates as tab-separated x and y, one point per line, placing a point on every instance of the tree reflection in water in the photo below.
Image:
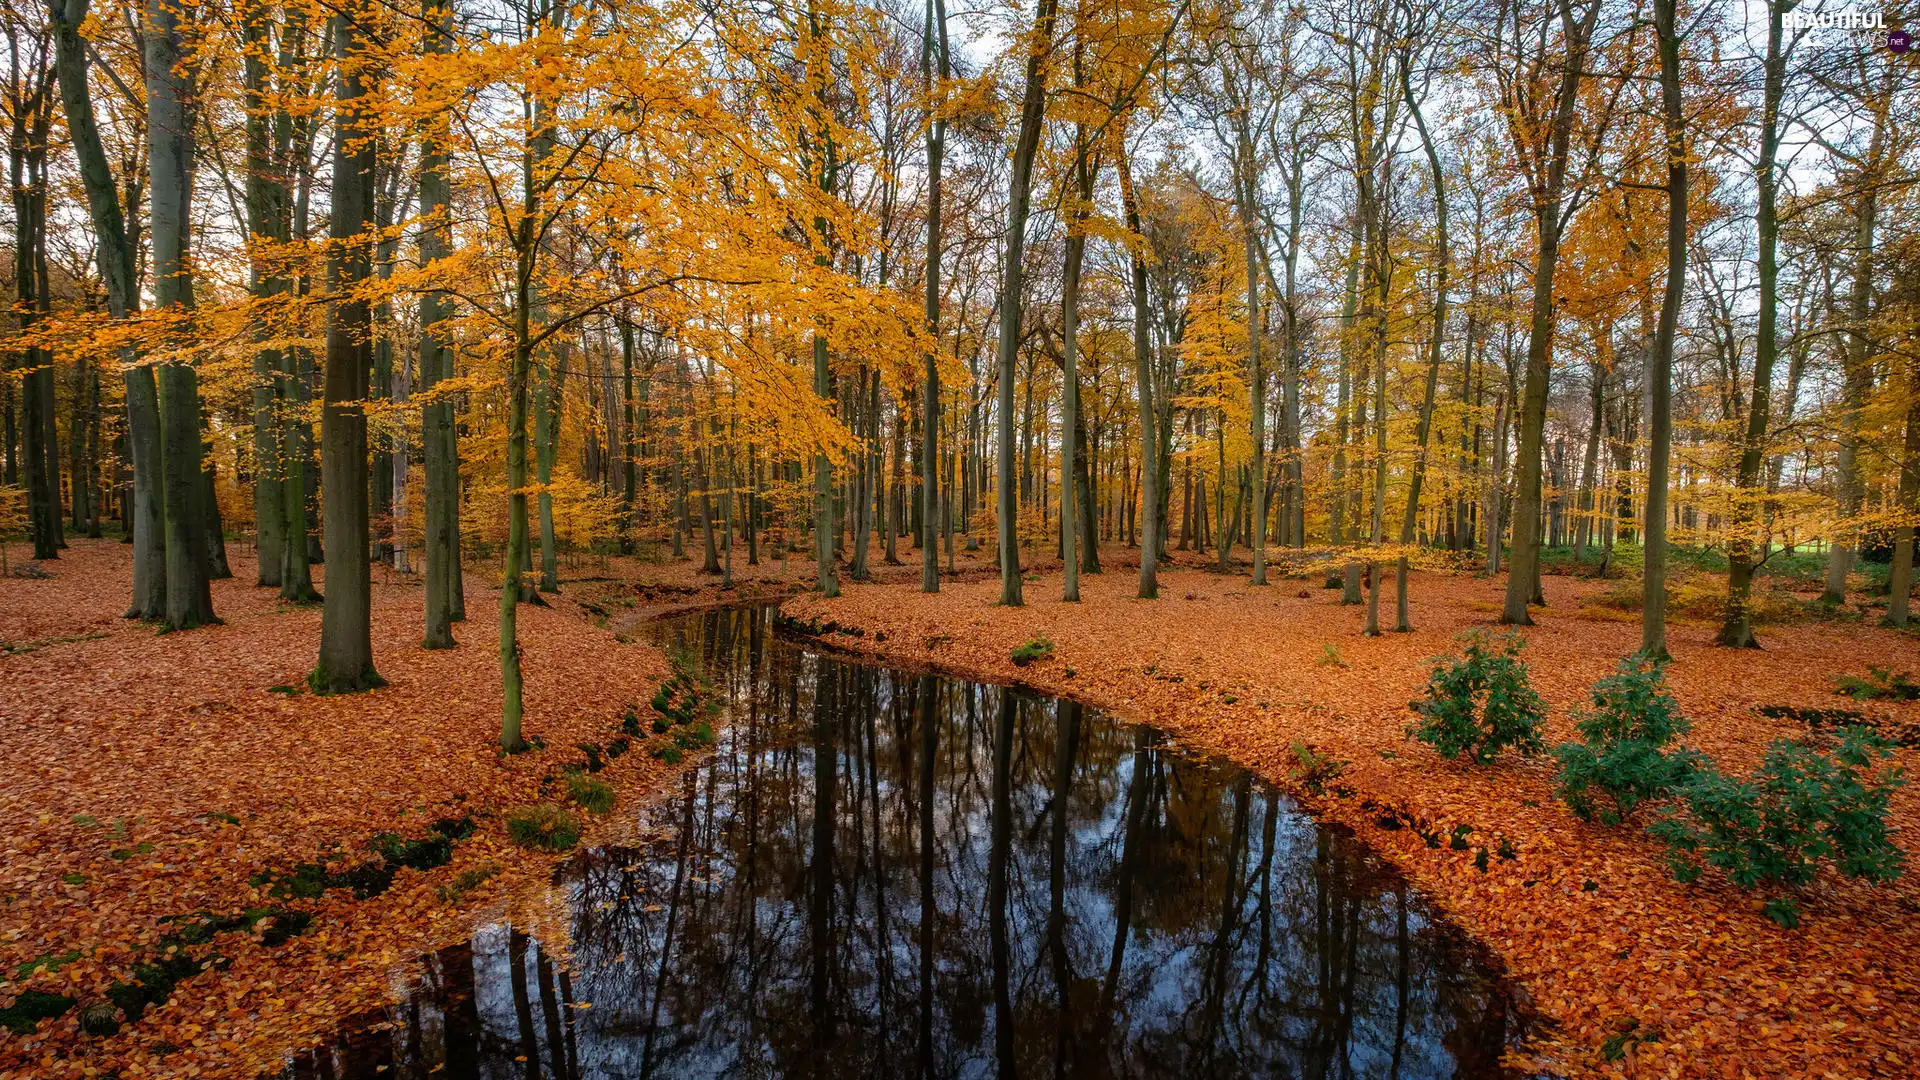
895	875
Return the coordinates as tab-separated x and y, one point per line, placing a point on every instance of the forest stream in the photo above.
892	874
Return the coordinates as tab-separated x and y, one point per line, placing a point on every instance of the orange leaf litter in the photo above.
1587	919
167	730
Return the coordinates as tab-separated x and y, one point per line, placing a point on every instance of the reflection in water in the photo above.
881	874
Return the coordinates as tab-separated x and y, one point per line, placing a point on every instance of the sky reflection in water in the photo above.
883	874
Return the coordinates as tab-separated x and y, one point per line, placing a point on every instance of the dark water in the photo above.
889	875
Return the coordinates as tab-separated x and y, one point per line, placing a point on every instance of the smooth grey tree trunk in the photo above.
439	440
934	37
1150	526
1019	203
169	182
265	195
346	627
115	255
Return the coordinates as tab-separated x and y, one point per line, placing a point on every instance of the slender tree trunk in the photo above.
1247	179
1019	203
1653	601
170	158
439	439
346	627
265	194
114	252
1424	429
1858	379
1900	575
1149	501
827	579
1072	435
934	38
1736	631
1523	575
27	153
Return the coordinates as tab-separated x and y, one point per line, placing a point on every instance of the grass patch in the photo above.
1035	649
1312	769
468	880
544	826
1879	684
590	794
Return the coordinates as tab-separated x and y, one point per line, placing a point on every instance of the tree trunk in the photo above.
1149	500
266	196
1523	573
1858	381
170	158
439	439
1424	429
1653	599
1736	630
935	38
1900	576
346	627
1019	203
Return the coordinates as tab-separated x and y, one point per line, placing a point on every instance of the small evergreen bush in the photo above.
1622	759
1803	808
1480	703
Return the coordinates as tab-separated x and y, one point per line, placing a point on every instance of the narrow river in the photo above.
884	874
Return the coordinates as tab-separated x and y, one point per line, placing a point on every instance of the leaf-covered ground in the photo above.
152	779
1633	973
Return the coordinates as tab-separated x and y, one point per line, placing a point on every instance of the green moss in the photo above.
44	963
31	1007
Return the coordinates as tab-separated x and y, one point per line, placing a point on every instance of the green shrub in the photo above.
595	796
1879	684
1035	649
547	826
1330	656
1804	807
1622	757
1480	704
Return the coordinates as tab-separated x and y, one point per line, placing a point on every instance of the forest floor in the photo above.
157	776
1630	972
152	779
